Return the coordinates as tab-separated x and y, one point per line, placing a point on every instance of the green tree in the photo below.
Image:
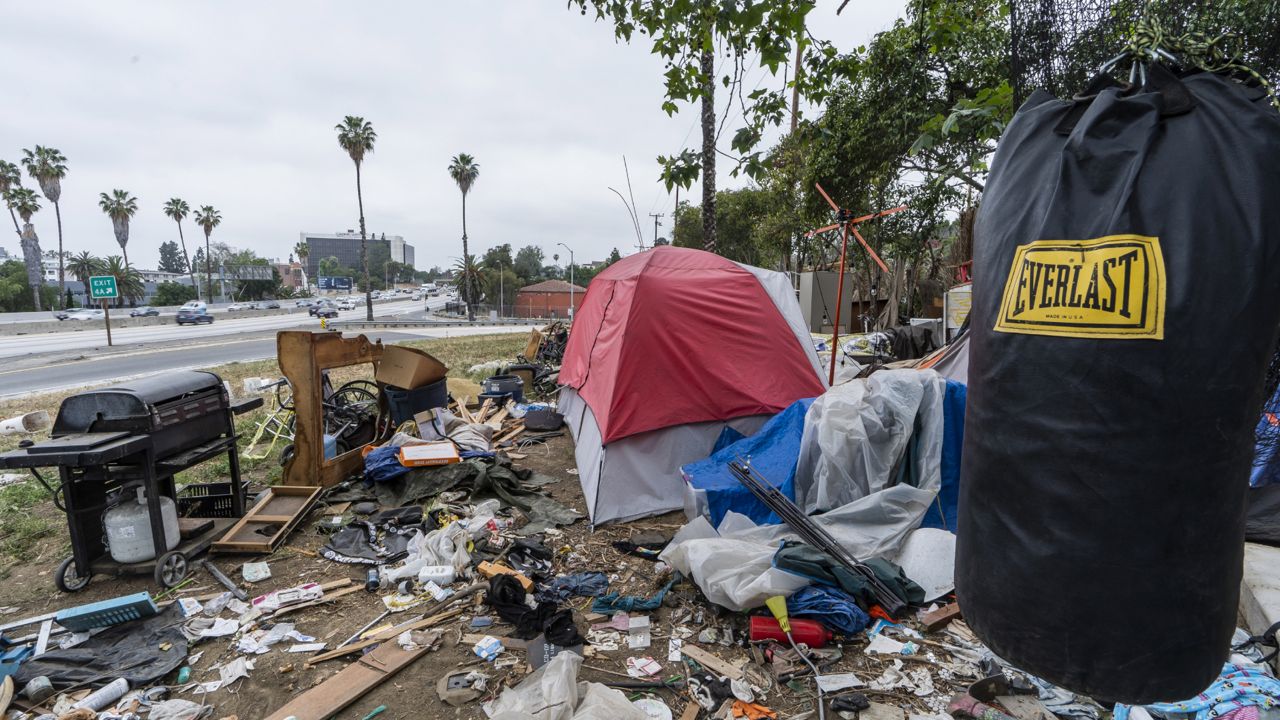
120	206
328	267
208	218
84	266
468	274
128	281
10	178
302	251
25	202
172	293
48	166
464	170
528	263
177	210
498	256
356	136
685	33
171	259
15	293
501	286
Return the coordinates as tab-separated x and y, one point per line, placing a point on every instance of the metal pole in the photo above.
571	263
106	317
835	331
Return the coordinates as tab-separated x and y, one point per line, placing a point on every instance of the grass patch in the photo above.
28	520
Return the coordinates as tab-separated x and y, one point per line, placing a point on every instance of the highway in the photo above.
57	361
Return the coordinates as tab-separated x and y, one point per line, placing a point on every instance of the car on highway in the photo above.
233	307
320	305
328	310
272	305
84	314
346	304
144	311
194	313
416	296
303	303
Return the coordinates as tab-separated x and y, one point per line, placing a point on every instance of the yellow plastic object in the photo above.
778	606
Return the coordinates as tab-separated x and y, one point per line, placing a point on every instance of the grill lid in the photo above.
130	402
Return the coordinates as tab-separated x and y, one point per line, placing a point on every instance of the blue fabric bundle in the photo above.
831	607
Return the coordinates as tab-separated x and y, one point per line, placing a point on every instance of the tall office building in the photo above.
346	247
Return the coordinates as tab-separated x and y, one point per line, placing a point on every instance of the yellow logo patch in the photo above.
1111	287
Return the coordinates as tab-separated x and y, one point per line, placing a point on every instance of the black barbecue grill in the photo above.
137	434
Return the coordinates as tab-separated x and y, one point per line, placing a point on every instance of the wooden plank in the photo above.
42	641
484	410
282	506
690	711
382	637
495	422
940	618
329	697
511	435
712	663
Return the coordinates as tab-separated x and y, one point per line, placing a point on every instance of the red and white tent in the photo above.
668	348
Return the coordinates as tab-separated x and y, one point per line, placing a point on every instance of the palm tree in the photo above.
468	274
464	170
119	206
177	210
208	218
84	266
48	166
10	178
25	202
128	281
356	136
302	251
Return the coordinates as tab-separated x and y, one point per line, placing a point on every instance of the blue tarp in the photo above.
773	452
942	513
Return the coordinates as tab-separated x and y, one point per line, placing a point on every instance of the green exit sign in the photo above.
103	287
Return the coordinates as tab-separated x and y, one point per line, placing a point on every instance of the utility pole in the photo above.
656	223
566	247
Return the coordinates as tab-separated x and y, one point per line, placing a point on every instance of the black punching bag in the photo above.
1126	300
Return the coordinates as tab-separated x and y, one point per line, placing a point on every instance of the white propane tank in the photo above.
128	528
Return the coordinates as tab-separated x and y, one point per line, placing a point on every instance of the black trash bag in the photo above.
129	650
1125	302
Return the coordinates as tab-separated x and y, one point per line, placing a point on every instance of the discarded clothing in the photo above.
484	479
507	597
383	464
942	512
358	544
585	584
530	558
808	561
1237	687
615	603
129	650
832	607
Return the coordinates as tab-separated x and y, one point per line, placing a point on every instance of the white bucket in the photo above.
28	423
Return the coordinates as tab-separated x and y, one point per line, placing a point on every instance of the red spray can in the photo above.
810	632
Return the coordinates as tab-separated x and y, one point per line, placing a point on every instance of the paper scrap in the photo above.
838	681
307	647
642	667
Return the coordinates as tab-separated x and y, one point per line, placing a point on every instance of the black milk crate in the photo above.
206	500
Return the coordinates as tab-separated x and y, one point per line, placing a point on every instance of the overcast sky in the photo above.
233	103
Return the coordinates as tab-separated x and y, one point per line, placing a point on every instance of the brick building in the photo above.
548	299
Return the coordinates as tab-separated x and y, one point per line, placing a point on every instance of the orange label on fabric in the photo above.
1110	287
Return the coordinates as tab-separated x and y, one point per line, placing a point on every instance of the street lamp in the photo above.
566	247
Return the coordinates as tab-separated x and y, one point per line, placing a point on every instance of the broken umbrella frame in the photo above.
847	223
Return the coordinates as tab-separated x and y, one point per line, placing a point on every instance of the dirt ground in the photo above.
279	675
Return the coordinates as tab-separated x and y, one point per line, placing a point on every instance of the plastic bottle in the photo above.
105	696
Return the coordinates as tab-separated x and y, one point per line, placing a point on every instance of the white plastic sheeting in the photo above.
732	573
552	692
733	565
856	435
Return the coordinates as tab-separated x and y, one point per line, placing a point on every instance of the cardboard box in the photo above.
408	368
